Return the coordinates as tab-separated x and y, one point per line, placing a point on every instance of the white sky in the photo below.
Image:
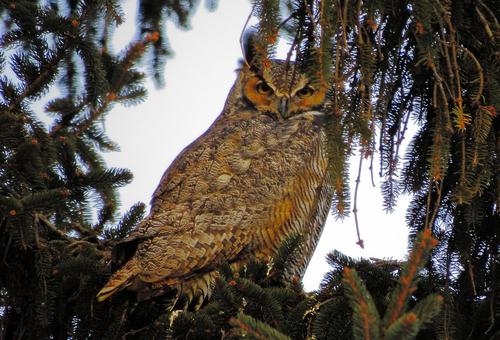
198	79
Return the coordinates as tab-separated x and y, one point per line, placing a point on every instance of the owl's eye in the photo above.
306	91
263	88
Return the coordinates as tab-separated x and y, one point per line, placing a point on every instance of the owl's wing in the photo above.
176	174
172	178
199	218
213	240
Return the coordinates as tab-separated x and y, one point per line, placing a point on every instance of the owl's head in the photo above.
277	89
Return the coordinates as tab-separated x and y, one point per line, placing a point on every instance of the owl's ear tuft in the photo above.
249	41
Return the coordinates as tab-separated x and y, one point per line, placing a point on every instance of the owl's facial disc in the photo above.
282	102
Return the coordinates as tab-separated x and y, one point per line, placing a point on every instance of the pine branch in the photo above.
129	220
262	298
427	308
286	252
52	227
366	320
404	328
407	282
46	74
133	53
256	328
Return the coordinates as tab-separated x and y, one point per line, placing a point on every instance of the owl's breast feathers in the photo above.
235	192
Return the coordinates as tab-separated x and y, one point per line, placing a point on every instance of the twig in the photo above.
487	28
134	331
243	32
24	246
83	231
35	231
456	68
124	314
439	84
134	52
480	72
355	207
401	132
493	16
447	292
52	227
6	250
428	205
311	16
286	20
494	294
371	169
79	243
344	23
471	277
338	81
430	222
462	166
444	50
295	44
28	90
94	115
360	39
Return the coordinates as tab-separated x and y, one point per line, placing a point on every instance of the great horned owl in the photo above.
258	174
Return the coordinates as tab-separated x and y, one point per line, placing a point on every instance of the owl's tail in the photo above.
119	280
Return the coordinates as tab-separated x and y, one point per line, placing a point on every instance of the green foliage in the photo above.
397	323
268	13
389	65
256	329
366	320
128	222
254	300
243	306
287	251
153	16
58	199
432	65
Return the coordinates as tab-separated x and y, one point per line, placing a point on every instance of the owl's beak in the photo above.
283	107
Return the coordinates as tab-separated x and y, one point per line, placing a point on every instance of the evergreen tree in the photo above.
58	200
254	304
431	63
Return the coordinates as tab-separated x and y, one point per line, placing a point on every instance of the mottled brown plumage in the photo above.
258	174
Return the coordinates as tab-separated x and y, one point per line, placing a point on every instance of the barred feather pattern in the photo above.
254	177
